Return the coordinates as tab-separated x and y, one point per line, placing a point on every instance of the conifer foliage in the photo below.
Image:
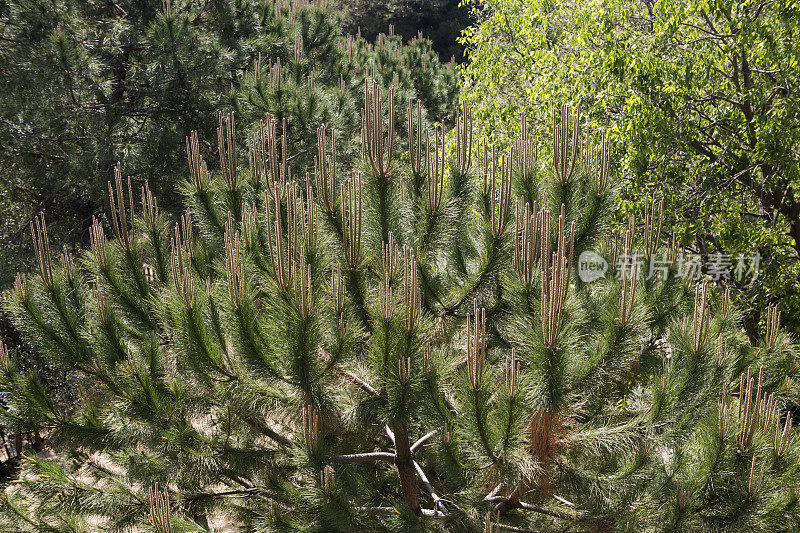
400	344
91	83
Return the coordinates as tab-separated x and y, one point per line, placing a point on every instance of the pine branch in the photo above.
422	440
364	457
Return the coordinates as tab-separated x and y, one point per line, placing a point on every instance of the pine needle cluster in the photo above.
396	344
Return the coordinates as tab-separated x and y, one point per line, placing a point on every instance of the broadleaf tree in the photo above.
702	107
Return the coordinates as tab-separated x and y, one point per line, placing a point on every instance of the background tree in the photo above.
398	344
441	21
87	84
703	105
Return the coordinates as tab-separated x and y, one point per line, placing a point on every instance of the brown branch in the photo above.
266	430
403	460
358	381
545	510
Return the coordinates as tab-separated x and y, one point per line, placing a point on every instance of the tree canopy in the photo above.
87	84
397	344
701	98
339	302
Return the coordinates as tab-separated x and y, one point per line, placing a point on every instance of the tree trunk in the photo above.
405	468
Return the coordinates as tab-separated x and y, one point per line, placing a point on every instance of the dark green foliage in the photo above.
441	21
397	345
87	84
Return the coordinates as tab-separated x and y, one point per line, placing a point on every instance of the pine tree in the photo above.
442	21
312	76
400	344
91	83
